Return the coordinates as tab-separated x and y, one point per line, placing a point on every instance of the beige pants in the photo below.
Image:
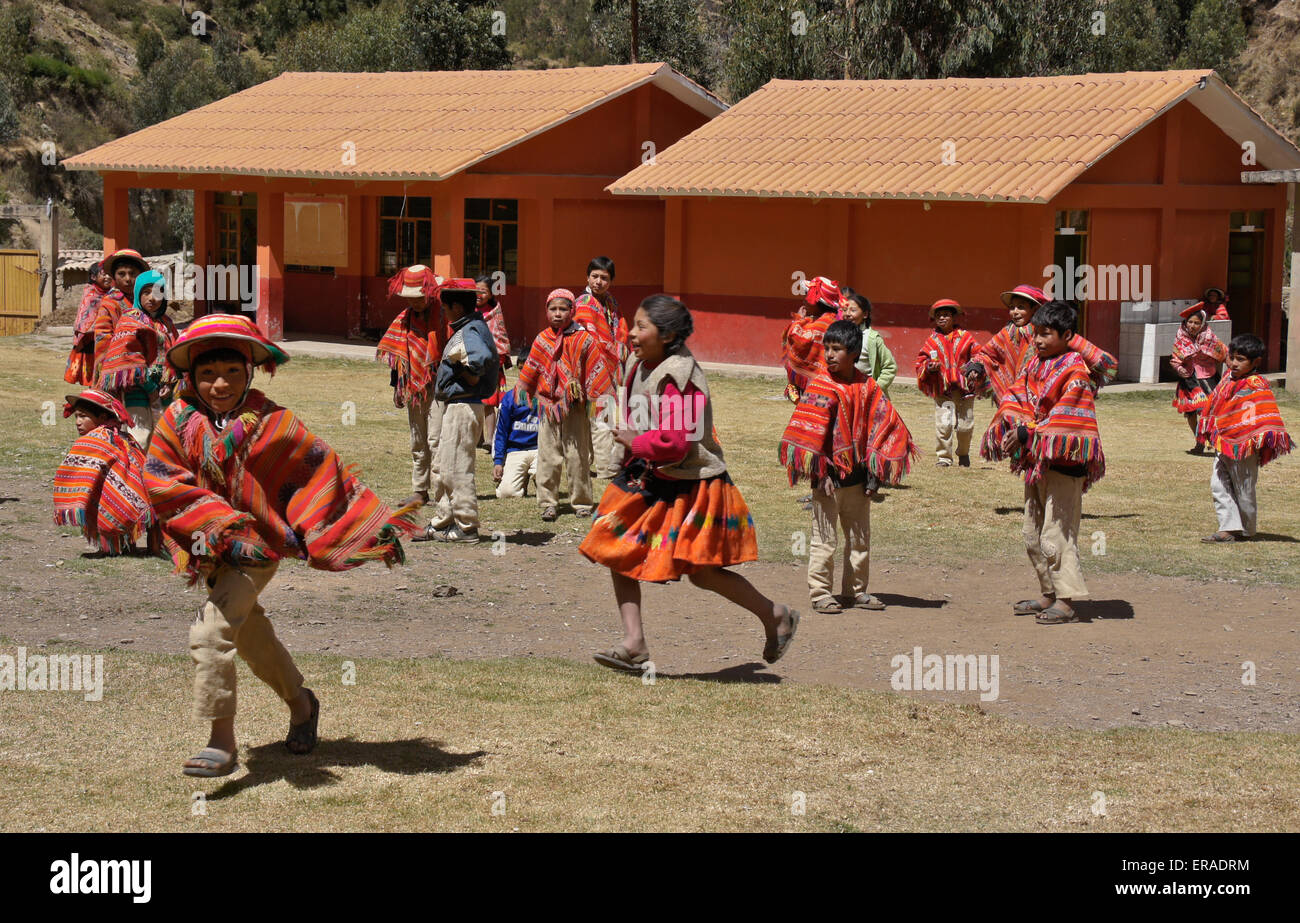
851	508
454	494
231	622
144	418
559	444
1232	486
425	417
954	421
520	465
1052	510
601	455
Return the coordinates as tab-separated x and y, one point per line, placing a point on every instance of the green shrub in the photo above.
149	47
170	21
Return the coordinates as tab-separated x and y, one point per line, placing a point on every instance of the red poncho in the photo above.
557	359
605	324
80	369
100	489
1242	419
1003	358
802	351
107	313
952	351
261	489
846	425
136	356
1054	399
412	348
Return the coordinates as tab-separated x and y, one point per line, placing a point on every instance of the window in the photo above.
1246	221
492	237
405	232
1069	253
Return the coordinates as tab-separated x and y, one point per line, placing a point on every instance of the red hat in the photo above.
125	255
945	303
415	282
457	285
218	331
1198	308
1028	292
824	290
560	293
101	399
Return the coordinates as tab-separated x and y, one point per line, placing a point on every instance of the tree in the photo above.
183	79
673	31
149	47
1215	35
456	35
768	40
367	40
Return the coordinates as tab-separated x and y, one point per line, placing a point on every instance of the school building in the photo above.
913	190
329	183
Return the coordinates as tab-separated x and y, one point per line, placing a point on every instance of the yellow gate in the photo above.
20	291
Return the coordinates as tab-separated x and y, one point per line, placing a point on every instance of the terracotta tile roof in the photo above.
1015	139
422	125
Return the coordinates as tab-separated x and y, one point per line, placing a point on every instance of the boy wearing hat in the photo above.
939	365
81	360
123	266
411	347
237	484
466	374
802	352
135	361
99	487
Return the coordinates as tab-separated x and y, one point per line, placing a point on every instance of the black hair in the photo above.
486	279
844	333
459	296
220	354
670	316
1058	315
1249	345
603	263
861	301
91	408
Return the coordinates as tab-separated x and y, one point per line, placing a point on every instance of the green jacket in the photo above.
876	359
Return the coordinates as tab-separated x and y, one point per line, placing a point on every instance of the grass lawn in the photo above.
427	745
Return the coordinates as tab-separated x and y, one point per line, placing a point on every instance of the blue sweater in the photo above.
481	360
516	428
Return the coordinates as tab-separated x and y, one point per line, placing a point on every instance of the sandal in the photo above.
219	763
618	658
775	649
867	601
1055	616
302	737
827	605
1218	537
1027	607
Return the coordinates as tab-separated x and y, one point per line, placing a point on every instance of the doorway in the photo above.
1245	271
236	215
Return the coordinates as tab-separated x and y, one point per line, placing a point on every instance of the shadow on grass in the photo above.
755	672
1108	609
1019	510
272	762
529	538
910	602
10	500
1273	537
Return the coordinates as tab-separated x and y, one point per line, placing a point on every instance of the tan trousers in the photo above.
231	622
954	421
143	419
454	494
1232	487
425	417
601	456
520	465
565	443
1052	510
850	508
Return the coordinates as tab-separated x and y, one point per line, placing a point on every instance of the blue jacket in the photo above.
517	426
481	360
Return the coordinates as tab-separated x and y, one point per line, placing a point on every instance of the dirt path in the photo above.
1163	651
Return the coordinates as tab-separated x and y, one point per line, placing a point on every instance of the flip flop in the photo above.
867	601
219	763
302	738
1027	607
827	606
618	658
775	649
1055	616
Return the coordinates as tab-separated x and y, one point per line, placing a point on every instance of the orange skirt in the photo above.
660	529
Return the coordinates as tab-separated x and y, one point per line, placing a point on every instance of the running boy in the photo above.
597	311
1243	425
938	375
847	439
238	483
1047	426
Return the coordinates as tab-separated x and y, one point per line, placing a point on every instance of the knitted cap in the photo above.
561	293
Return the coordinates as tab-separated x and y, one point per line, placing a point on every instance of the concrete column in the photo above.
270	263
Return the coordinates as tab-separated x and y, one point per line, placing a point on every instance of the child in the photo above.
1243	425
488	306
565	370
123	266
135	363
81	360
876	361
1047	425
846	438
467	373
801	343
410	347
238	483
673	511
514	448
597	311
1195	359
939	376
100	485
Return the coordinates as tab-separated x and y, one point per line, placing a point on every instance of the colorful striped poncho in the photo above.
496	321
1242	419
560	359
952	350
411	347
100	489
260	489
81	360
846	425
606	324
802	352
1054	400
1002	359
107	313
1102	366
136	357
